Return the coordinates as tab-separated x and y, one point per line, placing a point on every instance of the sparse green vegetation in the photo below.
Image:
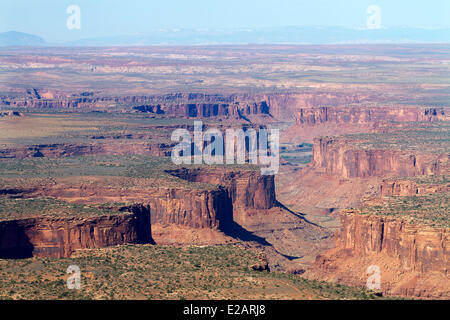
20	208
162	272
33	172
430	179
426	137
432	209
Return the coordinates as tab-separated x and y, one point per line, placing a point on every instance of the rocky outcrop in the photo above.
60	237
9	114
207	110
211	198
68	150
281	105
413	260
317	121
194	105
248	190
192	208
343	159
286	106
418	248
367	116
189	206
392	187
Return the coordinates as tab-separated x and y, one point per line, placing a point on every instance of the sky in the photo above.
100	18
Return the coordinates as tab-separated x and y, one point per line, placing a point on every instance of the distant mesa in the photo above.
9	114
14	38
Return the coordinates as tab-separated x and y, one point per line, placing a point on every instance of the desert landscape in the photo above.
87	179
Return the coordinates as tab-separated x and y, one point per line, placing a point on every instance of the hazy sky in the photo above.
47	18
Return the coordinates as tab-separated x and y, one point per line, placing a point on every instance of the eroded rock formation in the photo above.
393	187
192	208
418	248
344	159
367	115
68	150
248	190
60	237
413	259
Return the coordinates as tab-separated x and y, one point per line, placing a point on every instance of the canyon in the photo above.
358	132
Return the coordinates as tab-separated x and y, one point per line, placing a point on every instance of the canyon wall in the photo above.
60	237
305	108
413	260
367	115
283	105
343	159
418	248
317	121
207	110
194	105
188	206
68	150
192	208
209	198
409	188
9	114
248	190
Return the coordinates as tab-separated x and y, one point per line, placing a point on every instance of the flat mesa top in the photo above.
425	137
23	208
431	209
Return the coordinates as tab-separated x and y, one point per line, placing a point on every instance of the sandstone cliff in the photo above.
394	187
322	120
207	110
60	237
368	115
282	105
343	159
413	260
418	248
286	106
248	190
195	105
68	150
194	207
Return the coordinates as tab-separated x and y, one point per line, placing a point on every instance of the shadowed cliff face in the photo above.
283	106
194	105
207	110
60	237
